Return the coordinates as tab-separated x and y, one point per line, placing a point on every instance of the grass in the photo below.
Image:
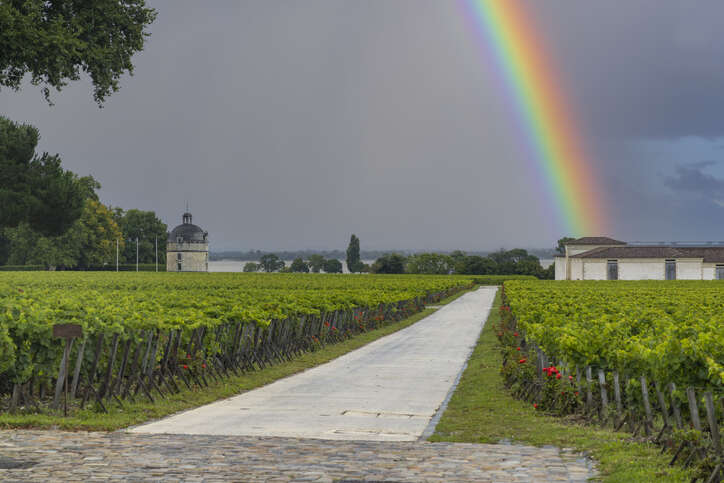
482	411
142	410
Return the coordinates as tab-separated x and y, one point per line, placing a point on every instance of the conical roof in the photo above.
188	232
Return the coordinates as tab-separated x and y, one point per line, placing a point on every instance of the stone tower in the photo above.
187	249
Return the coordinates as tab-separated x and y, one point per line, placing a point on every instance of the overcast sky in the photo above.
292	124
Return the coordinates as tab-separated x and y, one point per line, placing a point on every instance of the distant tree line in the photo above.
503	262
271	262
255	255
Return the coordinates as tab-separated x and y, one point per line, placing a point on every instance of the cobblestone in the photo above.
96	456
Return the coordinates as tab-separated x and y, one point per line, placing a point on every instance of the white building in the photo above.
187	248
602	258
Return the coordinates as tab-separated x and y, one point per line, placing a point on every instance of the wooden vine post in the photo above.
69	332
648	422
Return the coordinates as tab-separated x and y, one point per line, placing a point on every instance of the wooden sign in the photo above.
67	331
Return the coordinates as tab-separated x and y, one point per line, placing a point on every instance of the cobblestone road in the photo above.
64	456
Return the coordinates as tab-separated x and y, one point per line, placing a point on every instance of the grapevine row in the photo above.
155	333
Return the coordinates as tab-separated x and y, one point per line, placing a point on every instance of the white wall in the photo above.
560	263
594	269
708	271
640	269
194	257
689	269
576	268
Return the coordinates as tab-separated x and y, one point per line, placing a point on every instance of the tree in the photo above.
271	263
299	265
433	263
390	263
316	263
95	234
36	189
54	40
561	246
148	228
90	242
332	265
550	272
476	265
458	257
251	267
354	264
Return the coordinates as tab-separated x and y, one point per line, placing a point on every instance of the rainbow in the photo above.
538	98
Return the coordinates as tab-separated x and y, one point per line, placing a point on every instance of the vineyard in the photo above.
152	334
647	357
670	331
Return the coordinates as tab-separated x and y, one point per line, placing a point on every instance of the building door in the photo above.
670	270
613	269
719	272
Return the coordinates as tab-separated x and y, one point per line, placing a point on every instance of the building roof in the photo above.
595	240
189	232
708	254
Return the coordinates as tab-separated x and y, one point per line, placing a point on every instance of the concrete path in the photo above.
387	390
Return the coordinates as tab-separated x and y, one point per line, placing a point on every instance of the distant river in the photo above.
238	265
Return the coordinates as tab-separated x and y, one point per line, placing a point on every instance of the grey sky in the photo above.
289	124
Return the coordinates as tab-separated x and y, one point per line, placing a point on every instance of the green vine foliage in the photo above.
668	330
137	305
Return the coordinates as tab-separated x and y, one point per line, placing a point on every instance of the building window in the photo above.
719	272
613	269
178	257
670	270
178	266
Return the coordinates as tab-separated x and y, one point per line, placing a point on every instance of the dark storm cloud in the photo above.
291	124
692	179
641	68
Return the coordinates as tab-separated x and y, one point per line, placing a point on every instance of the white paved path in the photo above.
387	390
